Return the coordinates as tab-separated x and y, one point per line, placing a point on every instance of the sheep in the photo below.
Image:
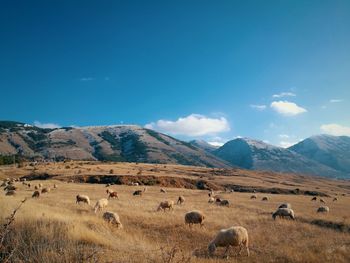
138	192
284	212
323	209
211	193
218	200
211	200
4	184
36	194
166	204
45	190
314	198
322	201
112	217
335	199
194	217
10	188
233	236
265	198
285	205
36	187
180	200
100	204
82	198
162	190
112	194
11	192
55	186
224	202
40	185
253	197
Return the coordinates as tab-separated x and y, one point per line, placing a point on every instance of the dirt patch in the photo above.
38	176
338	226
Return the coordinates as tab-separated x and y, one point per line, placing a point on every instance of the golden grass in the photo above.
55	229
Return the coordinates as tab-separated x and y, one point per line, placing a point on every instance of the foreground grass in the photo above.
54	229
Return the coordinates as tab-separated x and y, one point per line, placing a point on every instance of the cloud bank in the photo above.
46	125
284	94
192	125
335	129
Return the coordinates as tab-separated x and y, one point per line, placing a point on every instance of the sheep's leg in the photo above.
226	251
248	253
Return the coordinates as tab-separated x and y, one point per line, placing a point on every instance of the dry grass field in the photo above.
53	228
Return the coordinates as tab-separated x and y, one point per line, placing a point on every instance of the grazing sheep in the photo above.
217	200
224	202
323	209
138	192
233	236
10	188
82	198
284	212
194	217
253	197
162	190
29	185
55	186
166	204
180	200
285	205
36	187
211	200
314	198
265	198
335	199
45	190
112	217
112	194
36	194
11	192
211	193
40	185
100	204
322	201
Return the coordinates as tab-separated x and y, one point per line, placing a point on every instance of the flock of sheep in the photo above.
235	236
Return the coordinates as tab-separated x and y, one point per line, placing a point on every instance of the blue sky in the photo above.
192	69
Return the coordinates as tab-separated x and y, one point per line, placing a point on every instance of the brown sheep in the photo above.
180	200
265	198
194	217
45	190
166	204
36	194
314	198
112	194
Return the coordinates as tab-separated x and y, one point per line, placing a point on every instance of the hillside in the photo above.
332	151
129	143
257	155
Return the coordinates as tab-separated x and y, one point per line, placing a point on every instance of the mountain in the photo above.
204	145
332	151
112	143
257	155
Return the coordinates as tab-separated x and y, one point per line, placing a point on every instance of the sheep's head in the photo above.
211	248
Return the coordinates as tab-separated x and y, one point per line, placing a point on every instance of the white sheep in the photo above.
82	198
194	217
166	204
100	204
323	209
284	212
211	200
112	217
233	236
180	200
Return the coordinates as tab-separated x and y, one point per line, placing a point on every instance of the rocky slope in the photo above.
112	143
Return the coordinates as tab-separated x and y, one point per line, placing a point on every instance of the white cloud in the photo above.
192	125
284	94
286	144
335	100
283	136
216	143
335	129
258	107
46	125
287	108
87	79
